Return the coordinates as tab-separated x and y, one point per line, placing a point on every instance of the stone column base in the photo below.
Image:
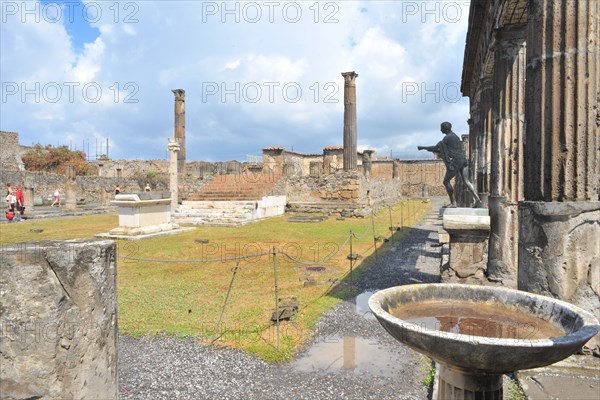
559	253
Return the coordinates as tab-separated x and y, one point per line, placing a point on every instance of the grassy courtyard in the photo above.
219	284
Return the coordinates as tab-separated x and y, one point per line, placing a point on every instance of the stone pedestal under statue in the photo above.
469	234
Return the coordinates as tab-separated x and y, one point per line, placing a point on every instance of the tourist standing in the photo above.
10	202
147	188
19	203
56	198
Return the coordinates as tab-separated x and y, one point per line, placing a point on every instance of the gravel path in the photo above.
350	356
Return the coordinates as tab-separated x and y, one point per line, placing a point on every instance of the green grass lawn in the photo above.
187	298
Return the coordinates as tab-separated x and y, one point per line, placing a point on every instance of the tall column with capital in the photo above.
350	130
506	180
174	148
180	126
559	220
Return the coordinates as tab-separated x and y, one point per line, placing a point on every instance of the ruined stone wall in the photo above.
94	189
130	168
382	169
342	186
377	192
10	159
59	320
422	178
333	187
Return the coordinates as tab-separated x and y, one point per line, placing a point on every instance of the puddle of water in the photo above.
357	355
362	305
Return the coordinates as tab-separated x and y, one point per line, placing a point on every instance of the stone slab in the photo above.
466	222
577	377
146	236
481	212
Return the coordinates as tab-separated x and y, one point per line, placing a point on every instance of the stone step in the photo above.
223	221
237	187
211	215
217	204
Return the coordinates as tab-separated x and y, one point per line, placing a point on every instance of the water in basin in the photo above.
477	319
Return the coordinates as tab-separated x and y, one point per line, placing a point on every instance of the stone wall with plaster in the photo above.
58	320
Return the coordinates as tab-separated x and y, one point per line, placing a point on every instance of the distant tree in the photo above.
56	159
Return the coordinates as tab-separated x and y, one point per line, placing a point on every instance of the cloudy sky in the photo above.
256	74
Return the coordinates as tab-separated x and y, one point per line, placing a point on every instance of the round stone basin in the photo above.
483	330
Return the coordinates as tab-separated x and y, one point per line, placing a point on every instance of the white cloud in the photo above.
233	64
136	65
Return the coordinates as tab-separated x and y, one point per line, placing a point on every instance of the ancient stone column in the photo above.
174	148
350	130
485	143
180	126
462	195
559	221
507	153
563	90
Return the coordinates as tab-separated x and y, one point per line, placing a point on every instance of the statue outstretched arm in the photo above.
434	149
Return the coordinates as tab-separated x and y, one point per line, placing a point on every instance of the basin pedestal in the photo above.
459	384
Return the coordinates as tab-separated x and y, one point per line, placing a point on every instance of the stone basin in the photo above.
480	354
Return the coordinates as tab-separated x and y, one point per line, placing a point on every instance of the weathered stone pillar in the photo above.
507	153
70	190
350	129
28	195
59	320
559	221
180	126
174	149
396	169
367	162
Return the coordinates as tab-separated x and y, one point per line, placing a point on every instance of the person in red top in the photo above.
20	203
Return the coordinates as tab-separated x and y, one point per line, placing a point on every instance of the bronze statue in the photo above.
453	154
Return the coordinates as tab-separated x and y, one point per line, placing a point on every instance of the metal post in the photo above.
235	270
276	295
351	258
374	238
391	225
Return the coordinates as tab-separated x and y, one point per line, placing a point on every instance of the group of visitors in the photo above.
15	203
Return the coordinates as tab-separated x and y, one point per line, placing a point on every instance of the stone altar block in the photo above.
142	215
469	230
